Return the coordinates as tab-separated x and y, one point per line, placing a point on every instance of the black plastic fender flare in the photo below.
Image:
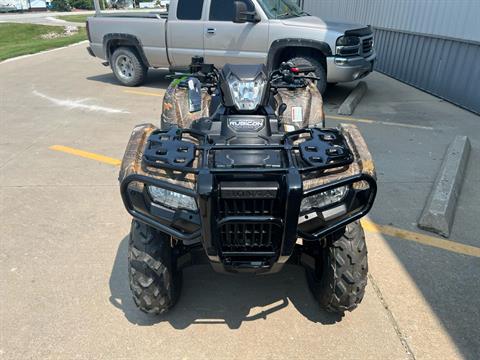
281	44
126	40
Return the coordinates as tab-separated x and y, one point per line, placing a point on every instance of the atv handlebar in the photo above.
303	70
287	76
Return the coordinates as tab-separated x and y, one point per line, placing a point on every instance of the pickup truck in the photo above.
230	31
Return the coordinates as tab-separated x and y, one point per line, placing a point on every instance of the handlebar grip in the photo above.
306	69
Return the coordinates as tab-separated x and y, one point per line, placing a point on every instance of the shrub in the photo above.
82	4
61	5
86	4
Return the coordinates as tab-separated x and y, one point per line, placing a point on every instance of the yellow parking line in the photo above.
144	93
370	121
421	238
86	154
368	225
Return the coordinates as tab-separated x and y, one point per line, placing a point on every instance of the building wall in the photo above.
19	4
431	44
38	4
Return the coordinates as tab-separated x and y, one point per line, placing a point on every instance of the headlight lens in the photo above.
324	198
172	199
348	46
246	95
348	41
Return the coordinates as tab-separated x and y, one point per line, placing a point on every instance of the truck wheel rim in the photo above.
124	67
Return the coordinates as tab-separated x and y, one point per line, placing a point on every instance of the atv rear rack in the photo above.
322	150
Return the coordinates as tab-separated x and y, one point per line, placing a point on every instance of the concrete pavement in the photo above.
64	290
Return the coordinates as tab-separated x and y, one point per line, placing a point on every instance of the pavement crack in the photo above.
401	336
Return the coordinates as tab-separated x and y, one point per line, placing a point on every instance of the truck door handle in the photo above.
211	30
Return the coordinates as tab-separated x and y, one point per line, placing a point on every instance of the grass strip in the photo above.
23	39
75	18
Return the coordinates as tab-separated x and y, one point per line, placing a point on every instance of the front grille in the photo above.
367	46
245	237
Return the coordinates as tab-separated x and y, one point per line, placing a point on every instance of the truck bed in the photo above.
136	14
148	28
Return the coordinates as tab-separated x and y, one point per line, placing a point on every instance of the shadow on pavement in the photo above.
450	283
155	80
336	95
211	298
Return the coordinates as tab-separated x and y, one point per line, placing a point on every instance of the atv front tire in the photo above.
154	279
340	276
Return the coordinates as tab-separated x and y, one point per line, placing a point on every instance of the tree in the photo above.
61	5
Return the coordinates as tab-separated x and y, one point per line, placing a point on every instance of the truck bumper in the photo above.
344	69
90	51
97	50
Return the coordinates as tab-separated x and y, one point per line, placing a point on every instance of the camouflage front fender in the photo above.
362	164
132	160
304	107
175	109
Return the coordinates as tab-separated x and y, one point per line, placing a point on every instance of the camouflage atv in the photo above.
243	173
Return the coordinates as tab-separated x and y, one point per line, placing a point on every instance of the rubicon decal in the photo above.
246	125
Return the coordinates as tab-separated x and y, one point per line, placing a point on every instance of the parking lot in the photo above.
63	252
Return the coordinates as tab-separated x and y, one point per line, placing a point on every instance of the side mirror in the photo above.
242	15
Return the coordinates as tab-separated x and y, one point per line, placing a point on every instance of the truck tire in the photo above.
321	72
340	276
128	67
155	281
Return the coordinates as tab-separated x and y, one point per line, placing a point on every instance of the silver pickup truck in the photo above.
229	31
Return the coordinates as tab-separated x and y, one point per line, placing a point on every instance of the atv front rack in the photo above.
307	150
243	219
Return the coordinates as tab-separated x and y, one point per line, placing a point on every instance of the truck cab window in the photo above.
223	10
189	9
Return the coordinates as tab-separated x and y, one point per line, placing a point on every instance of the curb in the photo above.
439	211
352	100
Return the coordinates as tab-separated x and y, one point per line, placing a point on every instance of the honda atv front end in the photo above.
247	204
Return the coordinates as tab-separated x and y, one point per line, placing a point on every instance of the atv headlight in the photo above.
172	199
324	198
246	94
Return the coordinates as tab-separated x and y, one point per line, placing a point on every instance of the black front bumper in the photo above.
245	230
